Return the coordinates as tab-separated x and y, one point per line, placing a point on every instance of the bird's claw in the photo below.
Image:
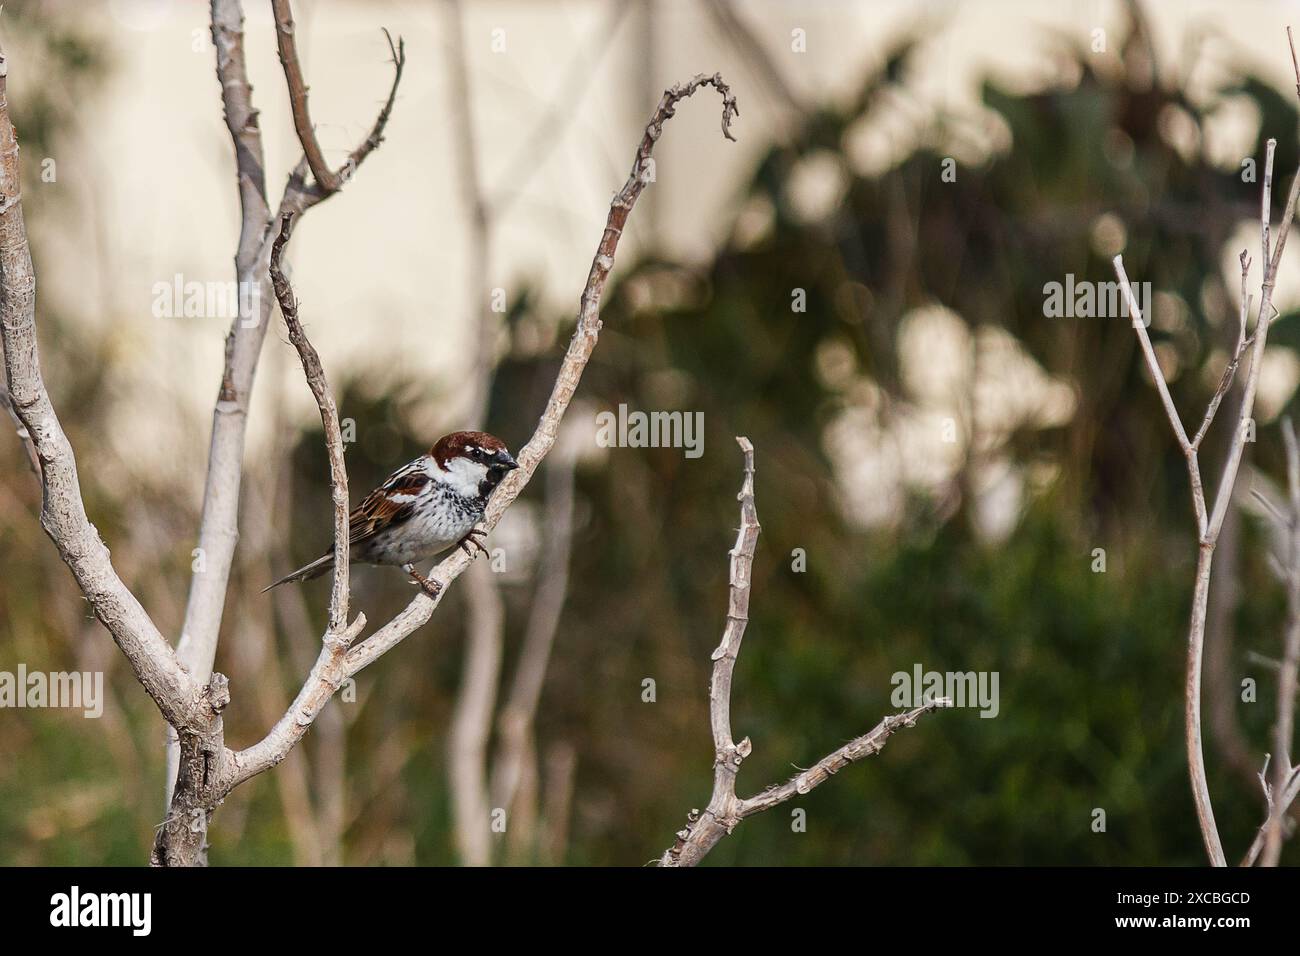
469	539
429	586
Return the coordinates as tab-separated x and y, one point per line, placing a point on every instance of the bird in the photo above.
425	507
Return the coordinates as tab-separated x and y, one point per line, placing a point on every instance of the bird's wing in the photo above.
390	504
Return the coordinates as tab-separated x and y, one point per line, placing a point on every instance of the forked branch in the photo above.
327	180
1209	521
725	809
219	521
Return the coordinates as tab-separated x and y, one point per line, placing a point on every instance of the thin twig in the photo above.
1279	802
1294	63
327	180
1162	387
1284	725
329	416
1230	372
704	830
868	744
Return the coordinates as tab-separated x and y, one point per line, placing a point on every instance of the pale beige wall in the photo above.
380	268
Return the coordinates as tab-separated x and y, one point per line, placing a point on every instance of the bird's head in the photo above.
472	463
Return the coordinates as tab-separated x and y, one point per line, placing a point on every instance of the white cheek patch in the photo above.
464	476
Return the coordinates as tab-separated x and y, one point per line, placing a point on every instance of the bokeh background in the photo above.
924	312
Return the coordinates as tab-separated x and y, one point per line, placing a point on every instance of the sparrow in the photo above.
423	508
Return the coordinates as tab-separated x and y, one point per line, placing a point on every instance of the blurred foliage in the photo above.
1090	664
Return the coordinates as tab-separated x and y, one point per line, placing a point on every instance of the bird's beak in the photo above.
505	462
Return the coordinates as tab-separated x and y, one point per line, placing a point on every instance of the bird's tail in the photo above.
308	571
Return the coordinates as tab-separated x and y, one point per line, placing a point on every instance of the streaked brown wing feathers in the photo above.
380	510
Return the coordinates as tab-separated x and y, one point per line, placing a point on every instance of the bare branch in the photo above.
1279	802
219	517
327	181
1230	372
1162	387
1284	725
1149	355
1294	63
190	697
218	523
868	744
329	416
241	118
1237	446
63	513
725	809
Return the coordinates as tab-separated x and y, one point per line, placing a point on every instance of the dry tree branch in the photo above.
1209	522
1153	365
190	706
199	791
63	514
327	180
218	527
218	523
725	809
1294	63
1279	803
219	519
329	416
1284	726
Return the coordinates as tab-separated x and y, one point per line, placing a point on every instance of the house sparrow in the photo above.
425	507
